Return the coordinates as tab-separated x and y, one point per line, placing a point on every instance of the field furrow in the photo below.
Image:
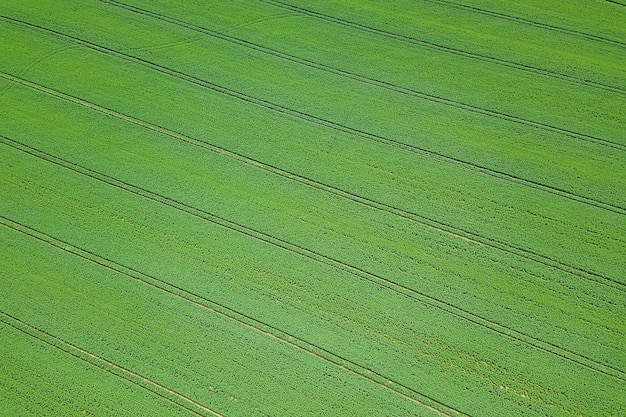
224	311
352	270
339	208
562	94
107	366
42	376
528	251
421	219
572	16
378	83
442	48
524	21
410	146
383	348
280	241
356	198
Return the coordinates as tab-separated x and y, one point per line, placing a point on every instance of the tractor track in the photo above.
420	219
106	365
445	49
529	22
240	318
403	290
363	79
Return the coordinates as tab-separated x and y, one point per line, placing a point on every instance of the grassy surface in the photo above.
258	209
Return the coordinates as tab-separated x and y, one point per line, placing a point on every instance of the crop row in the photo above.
522	238
364	337
103	19
224	213
275	288
171	346
64	383
93	145
98	154
357	272
452	47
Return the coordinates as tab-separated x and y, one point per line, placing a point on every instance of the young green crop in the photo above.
272	208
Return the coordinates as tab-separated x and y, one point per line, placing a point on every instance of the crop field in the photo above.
312	208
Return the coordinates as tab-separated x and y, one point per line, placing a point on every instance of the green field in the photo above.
329	208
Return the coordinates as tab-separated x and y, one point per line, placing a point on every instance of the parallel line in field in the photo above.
403	290
317	120
108	366
616	2
407	215
525	252
353	76
240	318
277	107
445	49
528	22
